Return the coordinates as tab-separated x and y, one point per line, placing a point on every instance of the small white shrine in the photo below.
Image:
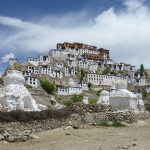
15	96
121	99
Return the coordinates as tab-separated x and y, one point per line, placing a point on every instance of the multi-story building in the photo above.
139	79
100	79
88	51
69	71
83	63
41	60
33	61
60	64
75	45
102	50
93	57
71	89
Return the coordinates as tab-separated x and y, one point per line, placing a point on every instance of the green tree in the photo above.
48	87
89	84
142	68
82	74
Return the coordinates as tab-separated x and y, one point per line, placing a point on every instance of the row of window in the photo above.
101	76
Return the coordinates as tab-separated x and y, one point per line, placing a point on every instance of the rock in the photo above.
19	139
6	134
110	123
67	133
33	136
125	147
1	137
27	132
70	123
89	118
134	144
26	138
10	139
3	142
68	128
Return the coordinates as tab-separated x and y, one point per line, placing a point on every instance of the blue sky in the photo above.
32	27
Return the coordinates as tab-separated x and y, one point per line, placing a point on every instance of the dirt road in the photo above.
132	137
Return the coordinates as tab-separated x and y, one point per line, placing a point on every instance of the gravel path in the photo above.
132	137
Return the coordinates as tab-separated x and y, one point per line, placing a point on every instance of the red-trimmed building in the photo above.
102	50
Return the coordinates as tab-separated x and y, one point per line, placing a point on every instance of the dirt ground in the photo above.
132	137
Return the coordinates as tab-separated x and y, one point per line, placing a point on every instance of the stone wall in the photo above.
91	108
22	131
92	114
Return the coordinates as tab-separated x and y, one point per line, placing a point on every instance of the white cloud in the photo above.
6	57
125	32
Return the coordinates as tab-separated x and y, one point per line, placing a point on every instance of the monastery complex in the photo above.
69	58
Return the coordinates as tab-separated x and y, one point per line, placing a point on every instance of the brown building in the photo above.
93	57
102	50
70	45
75	45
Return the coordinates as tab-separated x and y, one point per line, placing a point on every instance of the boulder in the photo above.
1	137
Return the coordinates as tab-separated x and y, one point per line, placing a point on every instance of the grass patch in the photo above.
104	124
115	124
93	101
75	99
67	102
118	124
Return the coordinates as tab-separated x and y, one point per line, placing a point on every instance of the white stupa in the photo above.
14	95
121	99
140	102
71	82
104	98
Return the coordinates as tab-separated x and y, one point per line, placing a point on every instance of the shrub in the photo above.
145	73
99	91
118	124
23	116
89	84
120	71
67	102
48	87
144	93
54	93
77	98
106	71
104	124
93	101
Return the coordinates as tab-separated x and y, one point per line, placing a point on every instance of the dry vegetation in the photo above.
24	116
